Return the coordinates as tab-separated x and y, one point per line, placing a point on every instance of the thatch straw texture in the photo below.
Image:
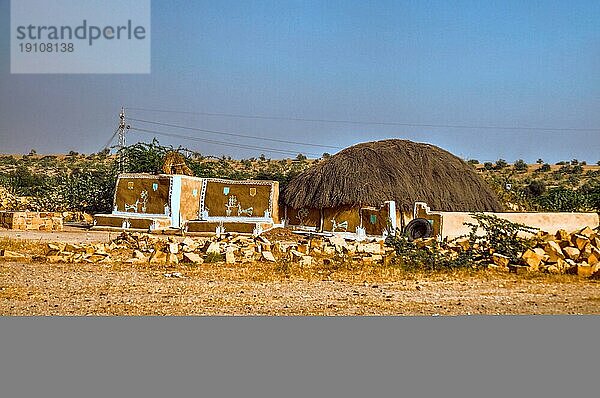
373	172
174	163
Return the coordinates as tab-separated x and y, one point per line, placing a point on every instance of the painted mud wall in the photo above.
142	193
189	206
375	220
239	199
307	218
175	200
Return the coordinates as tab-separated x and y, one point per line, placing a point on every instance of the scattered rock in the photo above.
500	260
338	242
192	258
229	257
173	248
213	248
561	234
306	261
571	253
158	256
10	255
518	269
138	255
587	232
268	256
532	259
554	251
172	259
553	269
584	270
296	255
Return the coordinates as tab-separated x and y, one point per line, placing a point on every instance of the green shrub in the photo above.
545	167
500	164
562	199
520	165
535	188
213	257
499	236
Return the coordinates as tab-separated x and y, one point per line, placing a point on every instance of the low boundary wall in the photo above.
451	224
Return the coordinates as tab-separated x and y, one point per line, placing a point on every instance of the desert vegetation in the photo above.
85	182
79	182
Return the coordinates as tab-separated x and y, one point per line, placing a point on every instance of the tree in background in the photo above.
520	165
545	167
145	157
535	189
500	164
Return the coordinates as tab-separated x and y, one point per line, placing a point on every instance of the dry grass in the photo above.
23	246
400	170
281	288
267	289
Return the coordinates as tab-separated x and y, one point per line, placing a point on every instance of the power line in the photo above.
361	122
112	137
233	134
223	143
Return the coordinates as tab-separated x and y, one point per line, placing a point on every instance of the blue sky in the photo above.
465	63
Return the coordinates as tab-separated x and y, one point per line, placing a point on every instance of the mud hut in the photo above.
176	199
374	184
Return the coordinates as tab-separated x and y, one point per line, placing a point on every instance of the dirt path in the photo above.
216	289
69	235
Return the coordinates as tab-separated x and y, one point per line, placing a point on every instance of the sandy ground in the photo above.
69	235
216	289
33	288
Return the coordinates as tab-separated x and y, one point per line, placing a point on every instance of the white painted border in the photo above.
136	215
248	220
175	201
393	219
242	182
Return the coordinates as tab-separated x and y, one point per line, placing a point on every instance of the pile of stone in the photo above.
31	220
139	248
563	252
575	253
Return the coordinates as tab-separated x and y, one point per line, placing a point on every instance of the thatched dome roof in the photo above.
405	171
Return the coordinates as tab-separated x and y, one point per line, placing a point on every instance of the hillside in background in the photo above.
80	182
